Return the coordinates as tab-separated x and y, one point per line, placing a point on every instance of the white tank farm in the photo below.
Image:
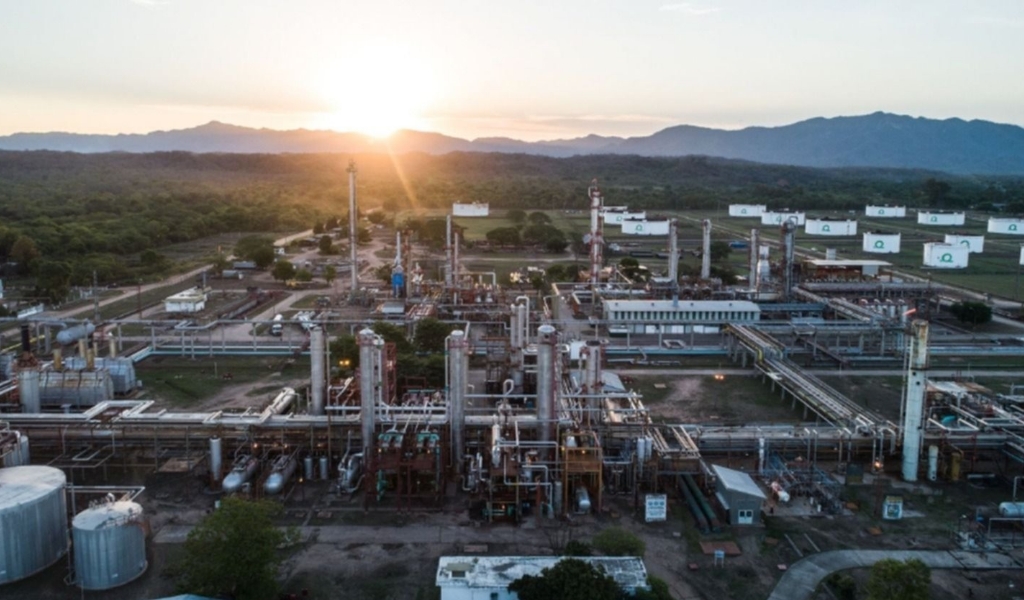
778	218
109	545
830	227
945	256
940	218
881	243
975	243
1006	226
747	210
885	212
33	520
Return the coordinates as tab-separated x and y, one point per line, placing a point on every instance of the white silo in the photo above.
833	227
1006	226
109	545
876	242
747	210
885	212
33	520
945	256
975	244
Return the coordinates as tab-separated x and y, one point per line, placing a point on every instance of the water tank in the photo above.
109	545
33	521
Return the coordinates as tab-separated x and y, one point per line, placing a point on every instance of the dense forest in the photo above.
65	215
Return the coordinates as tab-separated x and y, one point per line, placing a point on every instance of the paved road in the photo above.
129	290
803	576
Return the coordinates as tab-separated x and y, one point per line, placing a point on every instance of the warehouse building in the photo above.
682	316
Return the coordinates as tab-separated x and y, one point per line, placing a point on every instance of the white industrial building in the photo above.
778	218
646	316
616	217
885	212
975	243
830	227
488	577
747	210
940	218
476	209
645	227
945	256
1007	226
192	300
876	242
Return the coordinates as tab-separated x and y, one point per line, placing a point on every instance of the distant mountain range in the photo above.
875	140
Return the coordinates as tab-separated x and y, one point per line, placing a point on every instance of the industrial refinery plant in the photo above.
540	417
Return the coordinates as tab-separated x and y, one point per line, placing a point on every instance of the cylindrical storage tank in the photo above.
940	218
28	390
645	227
547	338
1011	509
1021	255
325	467
66	337
885	212
1006	226
933	462
283	469
216	459
778	218
881	243
944	256
16	454
109	545
242	470
33	520
307	468
830	227
746	210
975	244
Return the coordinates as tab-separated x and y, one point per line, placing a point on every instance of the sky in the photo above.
530	69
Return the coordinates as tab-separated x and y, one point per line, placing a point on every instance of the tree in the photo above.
556	244
303	275
430	335
616	541
505	236
325	244
251	246
233	551
569	579
972	313
283	270
720	251
53	280
517	216
318	228
935	191
659	590
393	334
895	580
330	274
538	218
24	252
629	266
377	217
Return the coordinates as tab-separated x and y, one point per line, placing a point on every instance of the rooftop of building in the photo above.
682	305
738	481
500	571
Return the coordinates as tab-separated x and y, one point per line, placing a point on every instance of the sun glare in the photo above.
378	92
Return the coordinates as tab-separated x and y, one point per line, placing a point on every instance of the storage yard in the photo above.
825	400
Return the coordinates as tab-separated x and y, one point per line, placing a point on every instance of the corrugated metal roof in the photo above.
681	305
499	571
738	481
27	484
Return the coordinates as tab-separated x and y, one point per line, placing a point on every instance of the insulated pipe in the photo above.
913	407
369	380
547	338
317	368
705	259
458	369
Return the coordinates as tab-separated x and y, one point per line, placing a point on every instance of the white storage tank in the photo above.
945	256
975	244
830	227
778	218
109	545
616	217
747	210
1022	254
940	218
1011	509
645	227
876	242
1007	226
33	520
885	212
15	452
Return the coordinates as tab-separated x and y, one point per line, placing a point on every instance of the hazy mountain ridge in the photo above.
875	140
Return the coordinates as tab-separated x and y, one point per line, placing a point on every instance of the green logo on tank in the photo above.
946	258
879	244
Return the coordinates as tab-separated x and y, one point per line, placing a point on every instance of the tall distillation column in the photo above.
458	367
448	273
28	375
317	360
592	381
596	241
673	253
753	259
913	401
547	339
371	348
788	257
352	229
705	257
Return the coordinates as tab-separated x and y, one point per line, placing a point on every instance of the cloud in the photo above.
997	22
688	8
150	2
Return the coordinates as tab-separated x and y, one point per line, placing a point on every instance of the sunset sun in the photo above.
378	93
